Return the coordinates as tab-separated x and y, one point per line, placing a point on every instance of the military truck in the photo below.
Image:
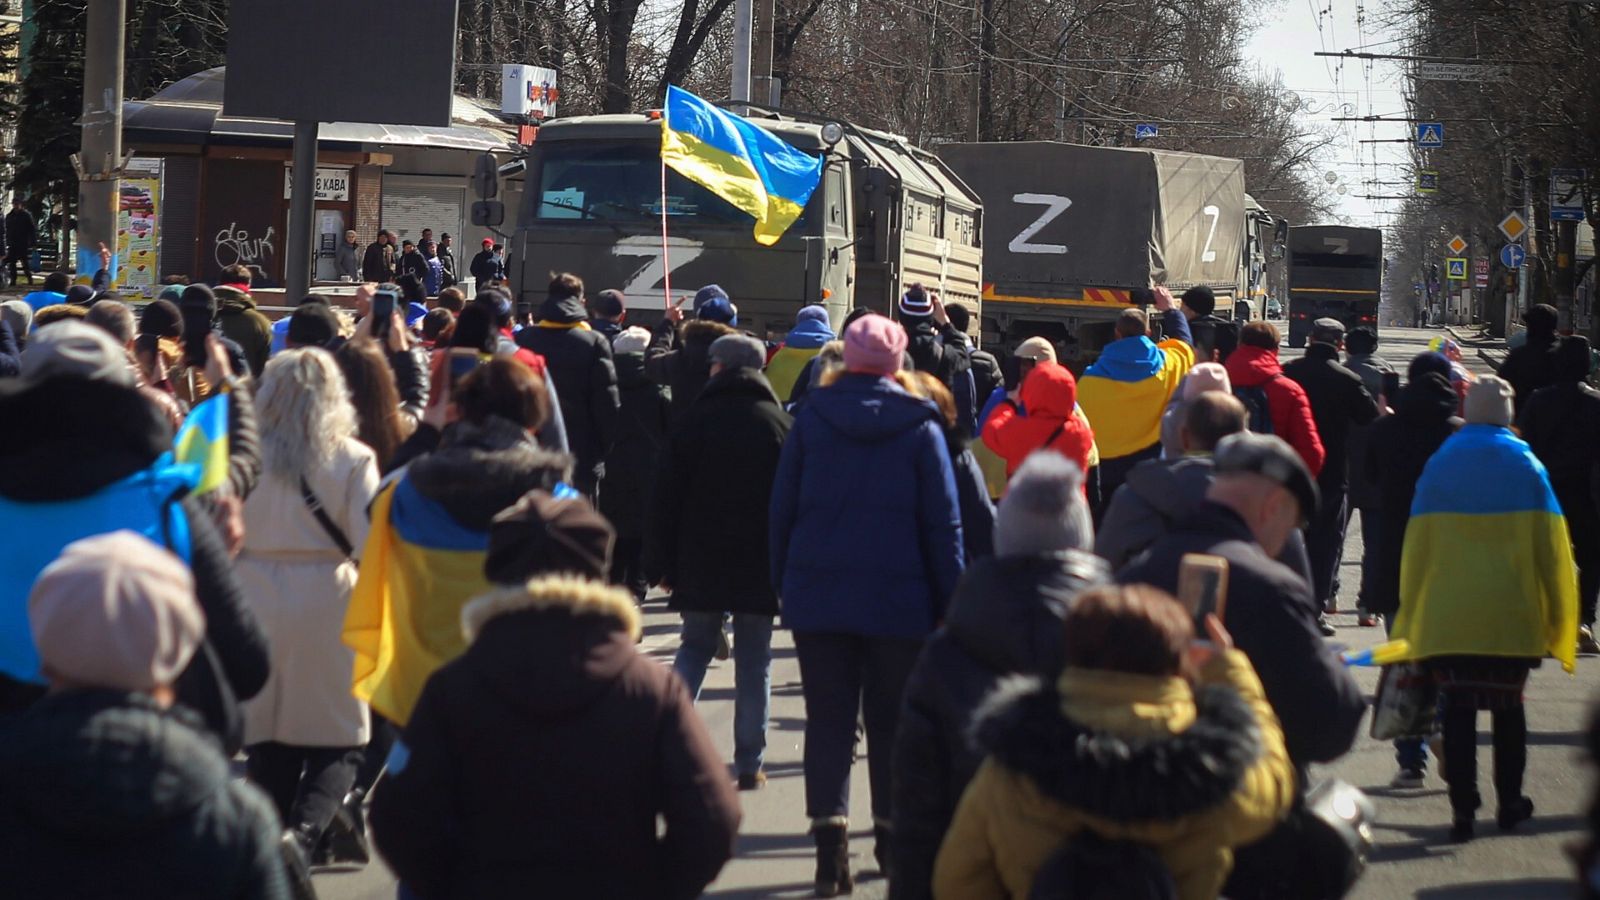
1266	276
1335	271
1070	232
885	215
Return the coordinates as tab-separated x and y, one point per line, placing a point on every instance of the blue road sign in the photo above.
1512	256
1430	134
1566	195
1144	131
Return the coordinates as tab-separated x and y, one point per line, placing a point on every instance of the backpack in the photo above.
985	373
1256	403
1090	867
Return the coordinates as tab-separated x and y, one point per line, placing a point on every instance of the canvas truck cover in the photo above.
1062	217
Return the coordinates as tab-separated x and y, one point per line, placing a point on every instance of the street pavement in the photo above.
1412	857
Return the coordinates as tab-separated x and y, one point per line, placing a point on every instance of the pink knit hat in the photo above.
874	344
1204	378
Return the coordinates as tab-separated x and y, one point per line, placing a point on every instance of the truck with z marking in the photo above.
1071	232
1336	272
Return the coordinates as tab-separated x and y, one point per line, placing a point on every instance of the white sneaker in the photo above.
1408	778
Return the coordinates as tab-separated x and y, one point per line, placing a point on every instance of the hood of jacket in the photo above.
80	436
572	640
870	409
606	327
630	370
481	469
700	333
1252	366
103	765
1117	778
1049	392
233	297
1128	359
1429	400
809	334
1174	488
563	310
1007	610
739	383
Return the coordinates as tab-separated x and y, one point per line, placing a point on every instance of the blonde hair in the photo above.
928	386
304	411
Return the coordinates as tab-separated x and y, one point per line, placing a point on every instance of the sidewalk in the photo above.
1491	350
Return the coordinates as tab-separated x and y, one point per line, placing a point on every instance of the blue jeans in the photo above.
752	676
1409	753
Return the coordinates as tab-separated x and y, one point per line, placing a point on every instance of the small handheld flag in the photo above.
742	163
1381	655
202	441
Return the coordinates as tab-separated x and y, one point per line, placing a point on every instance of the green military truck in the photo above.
1070	231
885	215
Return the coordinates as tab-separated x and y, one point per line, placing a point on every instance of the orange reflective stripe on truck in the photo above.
1092	297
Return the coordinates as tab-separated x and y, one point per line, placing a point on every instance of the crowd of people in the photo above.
409	595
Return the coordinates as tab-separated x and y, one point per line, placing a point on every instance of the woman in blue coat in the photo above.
866	551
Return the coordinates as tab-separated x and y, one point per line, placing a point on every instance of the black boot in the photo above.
833	859
1514	812
295	849
345	841
881	847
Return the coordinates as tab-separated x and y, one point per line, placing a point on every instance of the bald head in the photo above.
1267	507
1209	418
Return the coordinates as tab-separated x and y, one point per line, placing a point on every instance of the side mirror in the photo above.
486	177
488	213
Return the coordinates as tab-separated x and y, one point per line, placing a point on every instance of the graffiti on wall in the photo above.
235	246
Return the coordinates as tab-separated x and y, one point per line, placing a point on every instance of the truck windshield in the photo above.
621	182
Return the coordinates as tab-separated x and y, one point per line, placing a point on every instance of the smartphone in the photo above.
462	362
1142	296
383	304
196	325
1010	372
1391	385
1157	333
1203	587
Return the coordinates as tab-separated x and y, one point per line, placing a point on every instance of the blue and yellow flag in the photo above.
742	163
203	441
1487	566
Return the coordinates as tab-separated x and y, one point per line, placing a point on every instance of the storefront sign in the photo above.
332	184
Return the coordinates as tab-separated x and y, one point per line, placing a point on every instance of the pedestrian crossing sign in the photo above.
1430	134
1456	268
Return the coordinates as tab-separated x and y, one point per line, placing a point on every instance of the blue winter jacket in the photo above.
866	526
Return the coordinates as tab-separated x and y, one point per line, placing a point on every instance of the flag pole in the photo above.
666	263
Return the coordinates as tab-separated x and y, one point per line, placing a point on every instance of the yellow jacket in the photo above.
1205	772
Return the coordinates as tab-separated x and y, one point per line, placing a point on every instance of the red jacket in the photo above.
1286	400
1049	394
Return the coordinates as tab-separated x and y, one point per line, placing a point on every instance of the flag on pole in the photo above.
742	163
203	441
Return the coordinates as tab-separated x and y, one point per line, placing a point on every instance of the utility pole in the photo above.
743	12
99	162
302	206
1565	282
762	88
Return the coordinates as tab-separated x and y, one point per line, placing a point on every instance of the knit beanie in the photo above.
632	339
707	294
1044	510
916	302
19	315
718	309
541	535
1489	402
313	325
115	611
738	351
812	313
874	344
75	349
1204	378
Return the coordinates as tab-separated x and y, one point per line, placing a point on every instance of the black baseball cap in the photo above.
313	325
1268	456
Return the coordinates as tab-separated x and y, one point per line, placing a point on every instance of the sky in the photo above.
1291	32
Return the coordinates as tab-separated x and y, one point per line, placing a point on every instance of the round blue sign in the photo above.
1512	256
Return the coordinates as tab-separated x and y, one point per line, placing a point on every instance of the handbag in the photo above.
323	519
1318	852
1405	702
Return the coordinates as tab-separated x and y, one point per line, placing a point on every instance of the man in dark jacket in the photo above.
1562	425
1361	348
111	790
633	460
412	262
378	265
579	360
447	256
1533	365
240	321
487	266
539	761
607	312
708	535
1215	339
1260	493
1339	402
20	235
1005	619
937	348
677	359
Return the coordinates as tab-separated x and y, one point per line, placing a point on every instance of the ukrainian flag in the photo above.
202	441
742	163
418	569
1126	390
1487	566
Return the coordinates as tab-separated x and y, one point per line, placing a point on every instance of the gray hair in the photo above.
1044	510
737	351
304	411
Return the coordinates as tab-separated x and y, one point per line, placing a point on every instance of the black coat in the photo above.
1273	619
539	760
635	455
1562	425
411	379
708	528
109	432
108	795
378	263
486	267
1214	338
579	360
1531	367
448	260
1398	448
1005	619
413	263
20	231
681	361
1339	402
942	351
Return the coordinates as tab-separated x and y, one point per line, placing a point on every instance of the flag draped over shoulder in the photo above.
404	620
742	163
202	441
1487	566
